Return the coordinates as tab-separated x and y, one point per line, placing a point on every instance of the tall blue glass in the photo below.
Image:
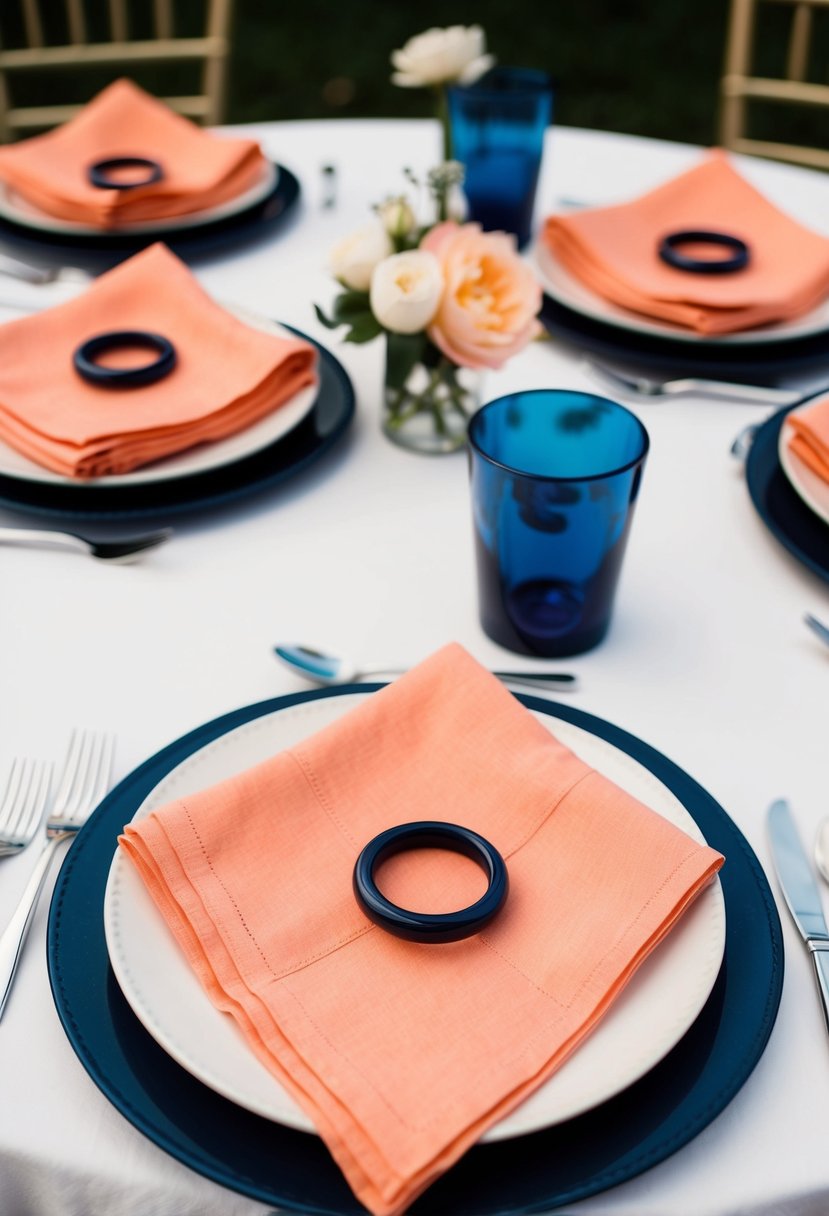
497	127
555	475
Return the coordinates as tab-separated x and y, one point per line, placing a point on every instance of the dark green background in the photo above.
650	67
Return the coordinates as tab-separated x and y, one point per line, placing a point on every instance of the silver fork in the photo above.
644	386
23	803
84	782
121	551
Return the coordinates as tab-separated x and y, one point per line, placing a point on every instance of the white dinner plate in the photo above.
200	459
18	210
566	289
812	489
650	1016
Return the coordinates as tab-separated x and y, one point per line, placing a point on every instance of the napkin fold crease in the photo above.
810	438
402	1053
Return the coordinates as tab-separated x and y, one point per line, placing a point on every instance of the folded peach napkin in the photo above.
405	1053
614	251
810	440
200	169
227	375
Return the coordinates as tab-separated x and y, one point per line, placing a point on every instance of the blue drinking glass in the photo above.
554	475
497	127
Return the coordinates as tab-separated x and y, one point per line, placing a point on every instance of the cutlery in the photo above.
40	275
800	892
643	386
817	627
330	669
822	849
120	551
743	441
23	803
83	784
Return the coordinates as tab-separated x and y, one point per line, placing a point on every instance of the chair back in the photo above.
44	39
741	84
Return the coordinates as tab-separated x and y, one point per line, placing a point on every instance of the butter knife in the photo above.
801	893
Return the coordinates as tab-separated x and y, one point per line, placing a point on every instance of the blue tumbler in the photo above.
555	474
497	127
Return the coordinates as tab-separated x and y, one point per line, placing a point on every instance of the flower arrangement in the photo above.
439	57
450	300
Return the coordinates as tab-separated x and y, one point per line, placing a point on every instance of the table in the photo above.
369	553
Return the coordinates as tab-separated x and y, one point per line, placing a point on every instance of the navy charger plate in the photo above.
99	250
778	504
290	1169
318	431
752	362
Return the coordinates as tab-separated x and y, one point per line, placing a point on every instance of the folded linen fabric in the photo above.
614	251
404	1053
810	440
200	169
227	375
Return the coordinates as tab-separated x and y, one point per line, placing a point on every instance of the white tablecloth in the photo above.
369	553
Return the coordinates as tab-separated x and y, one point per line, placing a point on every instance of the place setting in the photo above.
128	171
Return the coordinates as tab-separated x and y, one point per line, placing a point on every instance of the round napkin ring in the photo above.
428	926
99	172
84	359
670	251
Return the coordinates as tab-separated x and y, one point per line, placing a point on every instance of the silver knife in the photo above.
801	892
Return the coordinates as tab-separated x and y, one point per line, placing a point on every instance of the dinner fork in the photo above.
84	782
644	386
23	803
121	551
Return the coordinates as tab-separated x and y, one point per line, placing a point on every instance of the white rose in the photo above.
396	216
406	290
353	259
441	55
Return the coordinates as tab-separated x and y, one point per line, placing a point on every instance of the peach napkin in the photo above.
227	375
405	1053
613	250
201	169
810	441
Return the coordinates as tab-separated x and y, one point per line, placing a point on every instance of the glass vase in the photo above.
427	399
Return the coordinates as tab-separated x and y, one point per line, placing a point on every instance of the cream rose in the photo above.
488	309
406	290
441	55
353	259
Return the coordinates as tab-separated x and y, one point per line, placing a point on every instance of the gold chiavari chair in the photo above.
123	52
741	85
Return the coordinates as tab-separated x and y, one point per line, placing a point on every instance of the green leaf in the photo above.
403	351
364	328
349	305
329	324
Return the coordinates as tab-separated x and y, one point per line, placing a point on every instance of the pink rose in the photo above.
490	299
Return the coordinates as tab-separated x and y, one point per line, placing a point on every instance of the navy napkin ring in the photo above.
100	172
670	251
426	926
84	359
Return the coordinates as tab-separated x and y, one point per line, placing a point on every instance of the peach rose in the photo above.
490	299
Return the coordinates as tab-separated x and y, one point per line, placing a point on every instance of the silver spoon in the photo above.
822	849
121	551
330	669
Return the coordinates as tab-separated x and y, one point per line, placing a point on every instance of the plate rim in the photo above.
169	1036
49	224
722	1056
794	468
648	327
767	485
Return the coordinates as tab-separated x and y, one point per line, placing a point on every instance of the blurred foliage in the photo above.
649	67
